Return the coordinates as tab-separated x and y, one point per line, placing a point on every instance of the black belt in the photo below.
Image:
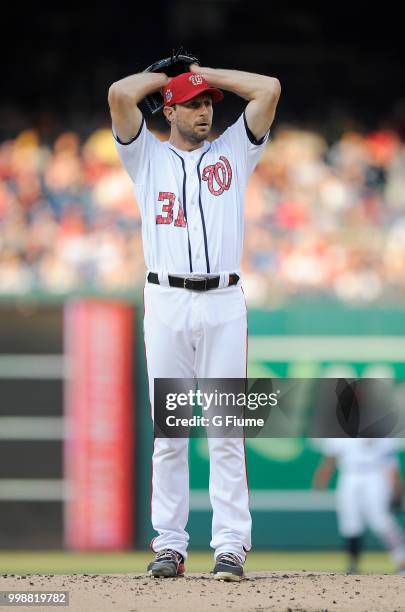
194	283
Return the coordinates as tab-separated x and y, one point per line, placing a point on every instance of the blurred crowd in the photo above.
325	218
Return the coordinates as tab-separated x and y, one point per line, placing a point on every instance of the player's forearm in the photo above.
324	473
134	88
247	85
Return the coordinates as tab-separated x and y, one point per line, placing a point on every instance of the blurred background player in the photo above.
368	480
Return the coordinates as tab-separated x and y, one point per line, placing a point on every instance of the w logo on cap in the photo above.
196	79
186	86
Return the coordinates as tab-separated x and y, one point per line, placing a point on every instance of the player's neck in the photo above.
183	144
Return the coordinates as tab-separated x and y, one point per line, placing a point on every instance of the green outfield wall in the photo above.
307	338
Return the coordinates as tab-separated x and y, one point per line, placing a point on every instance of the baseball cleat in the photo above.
228	567
168	563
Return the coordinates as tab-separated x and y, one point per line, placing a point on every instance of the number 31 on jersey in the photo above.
167	219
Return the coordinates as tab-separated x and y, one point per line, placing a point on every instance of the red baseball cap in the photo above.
186	86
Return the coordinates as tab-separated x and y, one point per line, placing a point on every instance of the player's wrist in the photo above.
156	81
214	76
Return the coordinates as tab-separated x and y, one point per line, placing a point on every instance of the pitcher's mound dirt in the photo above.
278	591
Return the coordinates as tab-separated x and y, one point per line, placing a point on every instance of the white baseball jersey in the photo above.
192	203
361	454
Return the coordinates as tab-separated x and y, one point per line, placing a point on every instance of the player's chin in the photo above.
201	131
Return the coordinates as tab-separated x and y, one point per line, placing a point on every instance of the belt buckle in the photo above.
195	278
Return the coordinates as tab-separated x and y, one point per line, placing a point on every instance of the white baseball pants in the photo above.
204	335
363	500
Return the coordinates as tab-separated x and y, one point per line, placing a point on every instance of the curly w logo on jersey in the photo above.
218	176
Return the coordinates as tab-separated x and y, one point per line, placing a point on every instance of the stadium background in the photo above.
324	251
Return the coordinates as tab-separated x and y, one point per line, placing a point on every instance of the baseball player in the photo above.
191	196
368	479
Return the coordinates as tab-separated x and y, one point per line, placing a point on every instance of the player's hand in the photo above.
316	484
168	79
204	70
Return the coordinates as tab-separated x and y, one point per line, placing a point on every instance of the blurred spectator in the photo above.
325	219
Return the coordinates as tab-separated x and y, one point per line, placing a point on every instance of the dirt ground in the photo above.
279	591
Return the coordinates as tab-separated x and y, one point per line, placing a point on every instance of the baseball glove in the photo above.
177	63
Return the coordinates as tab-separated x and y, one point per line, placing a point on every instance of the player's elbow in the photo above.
268	91
112	94
117	95
272	88
276	87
